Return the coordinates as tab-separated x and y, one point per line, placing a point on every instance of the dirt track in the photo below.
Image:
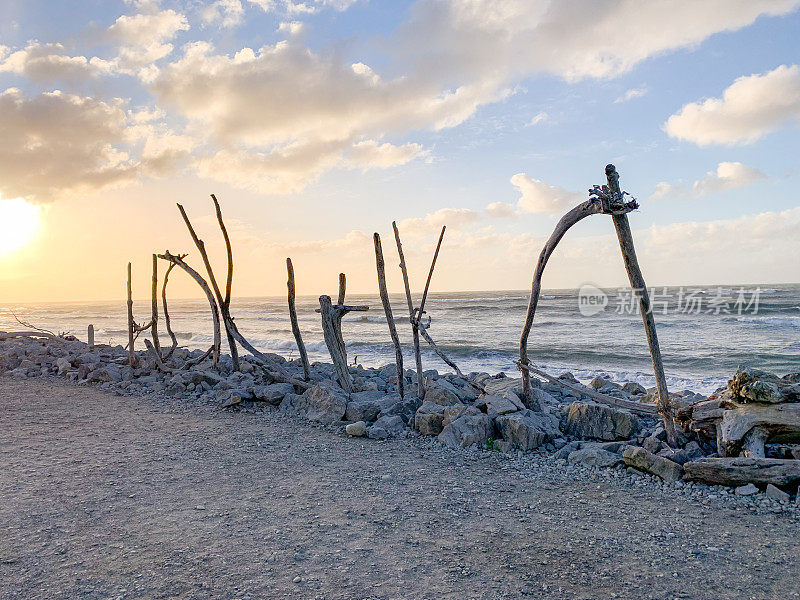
105	497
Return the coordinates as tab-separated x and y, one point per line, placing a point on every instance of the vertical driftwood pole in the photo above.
332	331
164	306
637	283
90	336
412	319
293	318
342	288
154	308
131	324
387	308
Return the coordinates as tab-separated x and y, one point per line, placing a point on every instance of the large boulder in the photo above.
593	456
441	392
600	422
428	418
499	386
753	385
642	460
386	427
366	406
273	393
451	413
404	407
527	429
496	406
467	430
323	402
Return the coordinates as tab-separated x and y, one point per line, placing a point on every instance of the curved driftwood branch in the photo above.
411	315
387	309
178	261
167	322
228	250
580	212
301	347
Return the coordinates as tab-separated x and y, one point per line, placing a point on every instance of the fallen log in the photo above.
736	471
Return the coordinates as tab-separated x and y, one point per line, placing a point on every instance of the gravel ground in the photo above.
107	497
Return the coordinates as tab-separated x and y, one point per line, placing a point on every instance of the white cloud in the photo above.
453	218
631	94
56	144
665	189
501	210
540	197
370	154
539	117
729	175
228	12
750	108
45	62
307	7
144	37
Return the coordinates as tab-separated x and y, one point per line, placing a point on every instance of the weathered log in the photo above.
131	324
154	309
223	307
411	315
580	212
298	338
90	336
387	309
639	286
178	260
736	471
167	322
332	331
753	443
779	422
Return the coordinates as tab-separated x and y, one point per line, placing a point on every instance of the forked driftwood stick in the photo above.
154	309
387	309
332	331
638	285
178	261
224	308
411	315
293	318
167	322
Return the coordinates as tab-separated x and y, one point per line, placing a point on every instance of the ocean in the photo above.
705	332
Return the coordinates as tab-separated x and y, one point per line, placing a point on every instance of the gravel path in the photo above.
107	497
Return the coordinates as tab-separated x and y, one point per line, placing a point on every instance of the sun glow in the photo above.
19	222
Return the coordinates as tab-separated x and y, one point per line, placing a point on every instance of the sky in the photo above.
317	123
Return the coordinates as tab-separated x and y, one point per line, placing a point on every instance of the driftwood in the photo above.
222	302
332	331
342	288
421	309
154	309
153	351
411	314
301	347
90	336
738	471
178	261
167	323
131	324
7	335
387	309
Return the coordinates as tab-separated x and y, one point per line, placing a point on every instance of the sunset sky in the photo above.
317	123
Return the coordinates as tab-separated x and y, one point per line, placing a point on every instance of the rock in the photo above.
323	402
63	365
367	405
496	406
754	385
593	456
386	427
273	393
746	490
542	396
499	387
599	383
776	493
404	408
568	377
106	373
639	458
440	395
653	444
428	418
692	451
357	429
635	389
527	429
451	413
597	421
734	471
467	430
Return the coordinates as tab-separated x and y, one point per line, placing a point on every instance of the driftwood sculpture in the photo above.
610	200
387	309
332	332
301	347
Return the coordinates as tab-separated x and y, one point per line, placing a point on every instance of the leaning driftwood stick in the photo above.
293	318
387	309
423	329
131	324
154	308
421	309
178	260
637	283
223	308
332	331
167	322
411	316
151	349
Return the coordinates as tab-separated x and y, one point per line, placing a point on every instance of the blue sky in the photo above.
492	117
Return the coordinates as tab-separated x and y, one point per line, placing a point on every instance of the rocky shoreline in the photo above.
482	413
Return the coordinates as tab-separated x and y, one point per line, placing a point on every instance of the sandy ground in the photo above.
106	497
